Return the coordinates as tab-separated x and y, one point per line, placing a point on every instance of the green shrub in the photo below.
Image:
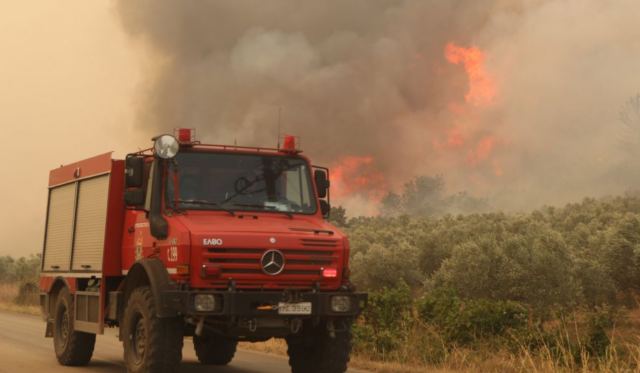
493	280
525	262
28	294
465	321
387	319
386	267
601	320
19	270
389	307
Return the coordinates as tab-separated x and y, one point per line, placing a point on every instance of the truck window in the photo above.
297	189
240	182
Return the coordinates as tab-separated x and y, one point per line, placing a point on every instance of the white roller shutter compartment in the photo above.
91	223
57	254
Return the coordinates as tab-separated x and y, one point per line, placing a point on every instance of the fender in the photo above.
49	288
151	272
49	284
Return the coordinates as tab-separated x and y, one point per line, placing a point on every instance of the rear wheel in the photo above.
72	348
314	350
151	344
214	349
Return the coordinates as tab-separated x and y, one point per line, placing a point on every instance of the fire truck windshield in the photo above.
240	182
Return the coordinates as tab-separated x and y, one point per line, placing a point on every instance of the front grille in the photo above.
315	242
308	260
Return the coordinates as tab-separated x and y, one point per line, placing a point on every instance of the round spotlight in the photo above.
166	146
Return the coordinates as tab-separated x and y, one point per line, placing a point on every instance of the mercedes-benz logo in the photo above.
272	262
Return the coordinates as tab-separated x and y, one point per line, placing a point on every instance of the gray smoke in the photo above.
361	78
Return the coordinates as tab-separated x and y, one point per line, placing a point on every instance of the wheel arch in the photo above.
57	285
152	273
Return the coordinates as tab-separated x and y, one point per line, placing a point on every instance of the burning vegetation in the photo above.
388	91
361	175
482	89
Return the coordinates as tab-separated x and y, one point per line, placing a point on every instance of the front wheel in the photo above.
214	349
316	350
151	344
72	348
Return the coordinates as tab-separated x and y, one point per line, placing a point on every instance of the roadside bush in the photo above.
528	263
28	294
387	320
597	286
495	280
390	267
19	270
600	321
466	321
622	253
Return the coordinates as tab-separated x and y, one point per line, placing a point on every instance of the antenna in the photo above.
279	119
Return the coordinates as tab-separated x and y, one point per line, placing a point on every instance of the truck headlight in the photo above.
166	146
204	302
340	303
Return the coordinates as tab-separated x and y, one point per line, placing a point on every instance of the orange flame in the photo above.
357	175
482	89
482	151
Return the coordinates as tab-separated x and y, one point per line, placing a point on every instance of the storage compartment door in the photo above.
57	248
91	220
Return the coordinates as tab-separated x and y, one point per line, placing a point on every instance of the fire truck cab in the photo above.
219	243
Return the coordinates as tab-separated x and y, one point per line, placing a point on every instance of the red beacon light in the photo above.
289	144
185	135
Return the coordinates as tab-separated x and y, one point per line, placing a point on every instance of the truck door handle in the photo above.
131	230
85	266
55	267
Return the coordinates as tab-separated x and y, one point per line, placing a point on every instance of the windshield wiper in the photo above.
206	203
276	175
263	207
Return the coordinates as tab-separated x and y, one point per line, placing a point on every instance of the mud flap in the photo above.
49	331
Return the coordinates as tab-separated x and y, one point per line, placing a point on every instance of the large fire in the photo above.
358	175
479	143
482	89
462	140
482	150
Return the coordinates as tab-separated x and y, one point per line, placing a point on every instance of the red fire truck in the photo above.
219	243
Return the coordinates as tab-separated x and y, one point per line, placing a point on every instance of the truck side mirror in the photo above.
322	183
134	171
134	197
325	208
158	226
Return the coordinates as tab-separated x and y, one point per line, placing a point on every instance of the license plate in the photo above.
302	308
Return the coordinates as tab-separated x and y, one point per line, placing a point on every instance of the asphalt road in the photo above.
23	348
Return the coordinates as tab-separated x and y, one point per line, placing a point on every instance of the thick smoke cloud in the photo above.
364	79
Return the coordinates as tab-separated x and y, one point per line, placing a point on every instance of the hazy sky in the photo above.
67	77
514	100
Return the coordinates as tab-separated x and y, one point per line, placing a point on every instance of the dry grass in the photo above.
279	347
8	294
623	357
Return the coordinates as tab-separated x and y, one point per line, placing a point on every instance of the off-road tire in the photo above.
72	348
214	349
314	351
151	344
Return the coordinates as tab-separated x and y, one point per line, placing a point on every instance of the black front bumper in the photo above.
262	303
